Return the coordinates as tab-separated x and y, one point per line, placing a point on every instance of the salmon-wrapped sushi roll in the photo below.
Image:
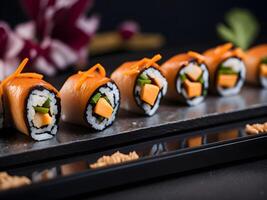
90	98
32	104
256	63
188	78
142	85
227	69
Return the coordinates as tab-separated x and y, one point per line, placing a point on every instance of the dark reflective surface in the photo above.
129	127
175	144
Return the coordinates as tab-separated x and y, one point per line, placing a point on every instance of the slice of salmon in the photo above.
41	119
193	89
103	108
227	80
149	93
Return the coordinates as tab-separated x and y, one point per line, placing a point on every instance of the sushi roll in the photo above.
142	85
32	104
90	98
256	63
188	78
227	69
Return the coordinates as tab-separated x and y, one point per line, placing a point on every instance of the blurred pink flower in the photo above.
11	45
128	29
57	35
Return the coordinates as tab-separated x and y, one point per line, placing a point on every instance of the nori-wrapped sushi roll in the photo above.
188	78
90	98
227	69
256	63
142	85
32	104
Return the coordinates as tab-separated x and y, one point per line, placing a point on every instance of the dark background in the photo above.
181	21
184	23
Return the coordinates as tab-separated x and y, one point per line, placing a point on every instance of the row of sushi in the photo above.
90	98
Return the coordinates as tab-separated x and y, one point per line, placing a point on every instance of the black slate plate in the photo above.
18	149
15	148
159	157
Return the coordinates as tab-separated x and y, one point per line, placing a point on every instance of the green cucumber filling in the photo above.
226	70
94	101
95	98
183	77
205	92
264	60
143	79
44	108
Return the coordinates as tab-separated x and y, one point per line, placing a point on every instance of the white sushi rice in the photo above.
37	98
263	81
181	90
111	91
153	73
238	66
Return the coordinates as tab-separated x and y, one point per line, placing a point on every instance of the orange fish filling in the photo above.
103	108
41	119
149	93
263	70
193	89
227	80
